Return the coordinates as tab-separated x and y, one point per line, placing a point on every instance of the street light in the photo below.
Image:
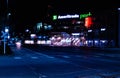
8	15
6	30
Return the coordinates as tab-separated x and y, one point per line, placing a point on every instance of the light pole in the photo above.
7	16
6	30
8	13
5	41
7	3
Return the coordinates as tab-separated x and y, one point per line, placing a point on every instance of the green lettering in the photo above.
85	15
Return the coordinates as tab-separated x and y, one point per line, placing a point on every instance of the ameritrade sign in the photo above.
55	17
68	16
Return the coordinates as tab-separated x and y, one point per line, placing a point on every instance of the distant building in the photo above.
98	27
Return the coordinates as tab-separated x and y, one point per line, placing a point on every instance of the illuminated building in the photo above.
92	28
96	28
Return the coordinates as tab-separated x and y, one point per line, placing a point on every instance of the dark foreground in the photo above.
37	62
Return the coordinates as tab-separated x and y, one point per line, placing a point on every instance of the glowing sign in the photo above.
68	16
54	17
81	16
85	15
88	22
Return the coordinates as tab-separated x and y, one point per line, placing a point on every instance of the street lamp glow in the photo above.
9	13
118	8
6	30
27	30
103	29
89	30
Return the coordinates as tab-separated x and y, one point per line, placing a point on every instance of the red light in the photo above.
88	22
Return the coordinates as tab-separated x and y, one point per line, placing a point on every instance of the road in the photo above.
34	62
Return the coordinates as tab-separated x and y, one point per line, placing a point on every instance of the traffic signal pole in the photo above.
4	46
4	36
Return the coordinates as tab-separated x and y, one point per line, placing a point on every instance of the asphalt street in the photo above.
50	63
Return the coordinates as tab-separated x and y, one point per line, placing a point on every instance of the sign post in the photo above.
4	36
4	41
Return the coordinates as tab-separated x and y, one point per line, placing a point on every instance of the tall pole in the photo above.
119	27
7	4
7	12
4	45
5	29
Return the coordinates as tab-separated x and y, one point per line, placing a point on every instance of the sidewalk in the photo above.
110	50
115	49
102	48
7	51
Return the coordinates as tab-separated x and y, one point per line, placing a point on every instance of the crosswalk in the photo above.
17	57
20	57
57	56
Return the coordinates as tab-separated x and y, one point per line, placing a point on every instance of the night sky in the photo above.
26	13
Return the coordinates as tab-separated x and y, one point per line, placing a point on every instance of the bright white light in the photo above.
41	42
90	41
96	41
33	35
9	13
75	33
103	29
6	30
38	42
78	22
53	38
8	37
18	44
118	8
89	30
68	16
29	42
45	27
27	30
48	42
49	26
103	41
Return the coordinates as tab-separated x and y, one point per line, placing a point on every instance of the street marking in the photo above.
66	56
42	76
17	57
34	57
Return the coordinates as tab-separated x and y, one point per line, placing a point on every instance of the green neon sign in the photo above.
85	15
81	16
54	17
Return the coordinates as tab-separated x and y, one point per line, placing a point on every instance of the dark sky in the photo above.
26	13
29	12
